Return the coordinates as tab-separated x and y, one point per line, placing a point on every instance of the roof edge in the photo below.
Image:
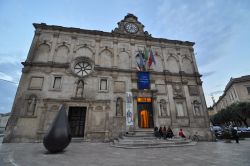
44	26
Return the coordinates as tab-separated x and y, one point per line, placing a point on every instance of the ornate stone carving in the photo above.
193	90
196	108
164	111
177	90
79	89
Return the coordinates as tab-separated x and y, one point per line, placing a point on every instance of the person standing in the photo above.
235	135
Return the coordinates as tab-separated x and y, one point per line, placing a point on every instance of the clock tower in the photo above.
131	26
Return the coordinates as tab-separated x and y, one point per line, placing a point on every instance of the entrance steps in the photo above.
77	139
144	138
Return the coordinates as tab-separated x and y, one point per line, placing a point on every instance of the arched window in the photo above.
42	53
61	55
84	52
187	66
106	58
172	65
123	60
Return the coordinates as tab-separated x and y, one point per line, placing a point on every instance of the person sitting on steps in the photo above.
164	132
156	133
161	132
181	134
169	133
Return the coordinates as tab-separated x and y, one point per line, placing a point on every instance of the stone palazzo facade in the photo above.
95	75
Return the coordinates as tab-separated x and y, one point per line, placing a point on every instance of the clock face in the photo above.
131	28
82	68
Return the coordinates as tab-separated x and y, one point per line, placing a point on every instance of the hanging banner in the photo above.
129	109
143	80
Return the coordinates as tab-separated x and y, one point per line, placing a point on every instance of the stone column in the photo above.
106	139
204	106
132	48
88	122
71	51
189	106
172	105
41	116
155	111
135	113
115	45
97	47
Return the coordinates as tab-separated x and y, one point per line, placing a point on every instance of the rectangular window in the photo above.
57	82
103	84
180	109
248	90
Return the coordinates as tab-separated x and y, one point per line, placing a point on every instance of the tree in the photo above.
235	114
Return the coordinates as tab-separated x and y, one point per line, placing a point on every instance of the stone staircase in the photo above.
144	138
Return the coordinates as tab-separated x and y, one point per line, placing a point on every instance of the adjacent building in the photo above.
3	121
110	82
237	90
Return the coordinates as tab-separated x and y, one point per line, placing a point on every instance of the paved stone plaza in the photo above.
94	154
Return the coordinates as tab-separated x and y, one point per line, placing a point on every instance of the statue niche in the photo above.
119	108
164	111
32	101
196	108
79	89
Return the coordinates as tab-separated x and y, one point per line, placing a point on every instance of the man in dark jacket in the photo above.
235	135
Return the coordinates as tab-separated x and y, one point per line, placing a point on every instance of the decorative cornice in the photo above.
44	26
46	64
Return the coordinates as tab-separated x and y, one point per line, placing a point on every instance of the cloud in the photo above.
216	92
6	77
211	24
11	58
207	74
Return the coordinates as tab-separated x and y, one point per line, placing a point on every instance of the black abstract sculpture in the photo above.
58	136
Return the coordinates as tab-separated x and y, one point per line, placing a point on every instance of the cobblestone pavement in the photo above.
95	154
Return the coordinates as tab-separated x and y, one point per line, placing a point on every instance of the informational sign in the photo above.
129	109
143	80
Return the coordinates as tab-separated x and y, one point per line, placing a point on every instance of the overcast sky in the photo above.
220	29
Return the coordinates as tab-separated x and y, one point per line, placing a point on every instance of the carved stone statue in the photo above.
163	108
80	89
177	90
31	106
119	109
197	111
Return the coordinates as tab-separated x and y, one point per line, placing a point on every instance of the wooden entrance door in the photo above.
145	114
77	116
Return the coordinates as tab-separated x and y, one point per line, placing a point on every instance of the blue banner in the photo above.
143	80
